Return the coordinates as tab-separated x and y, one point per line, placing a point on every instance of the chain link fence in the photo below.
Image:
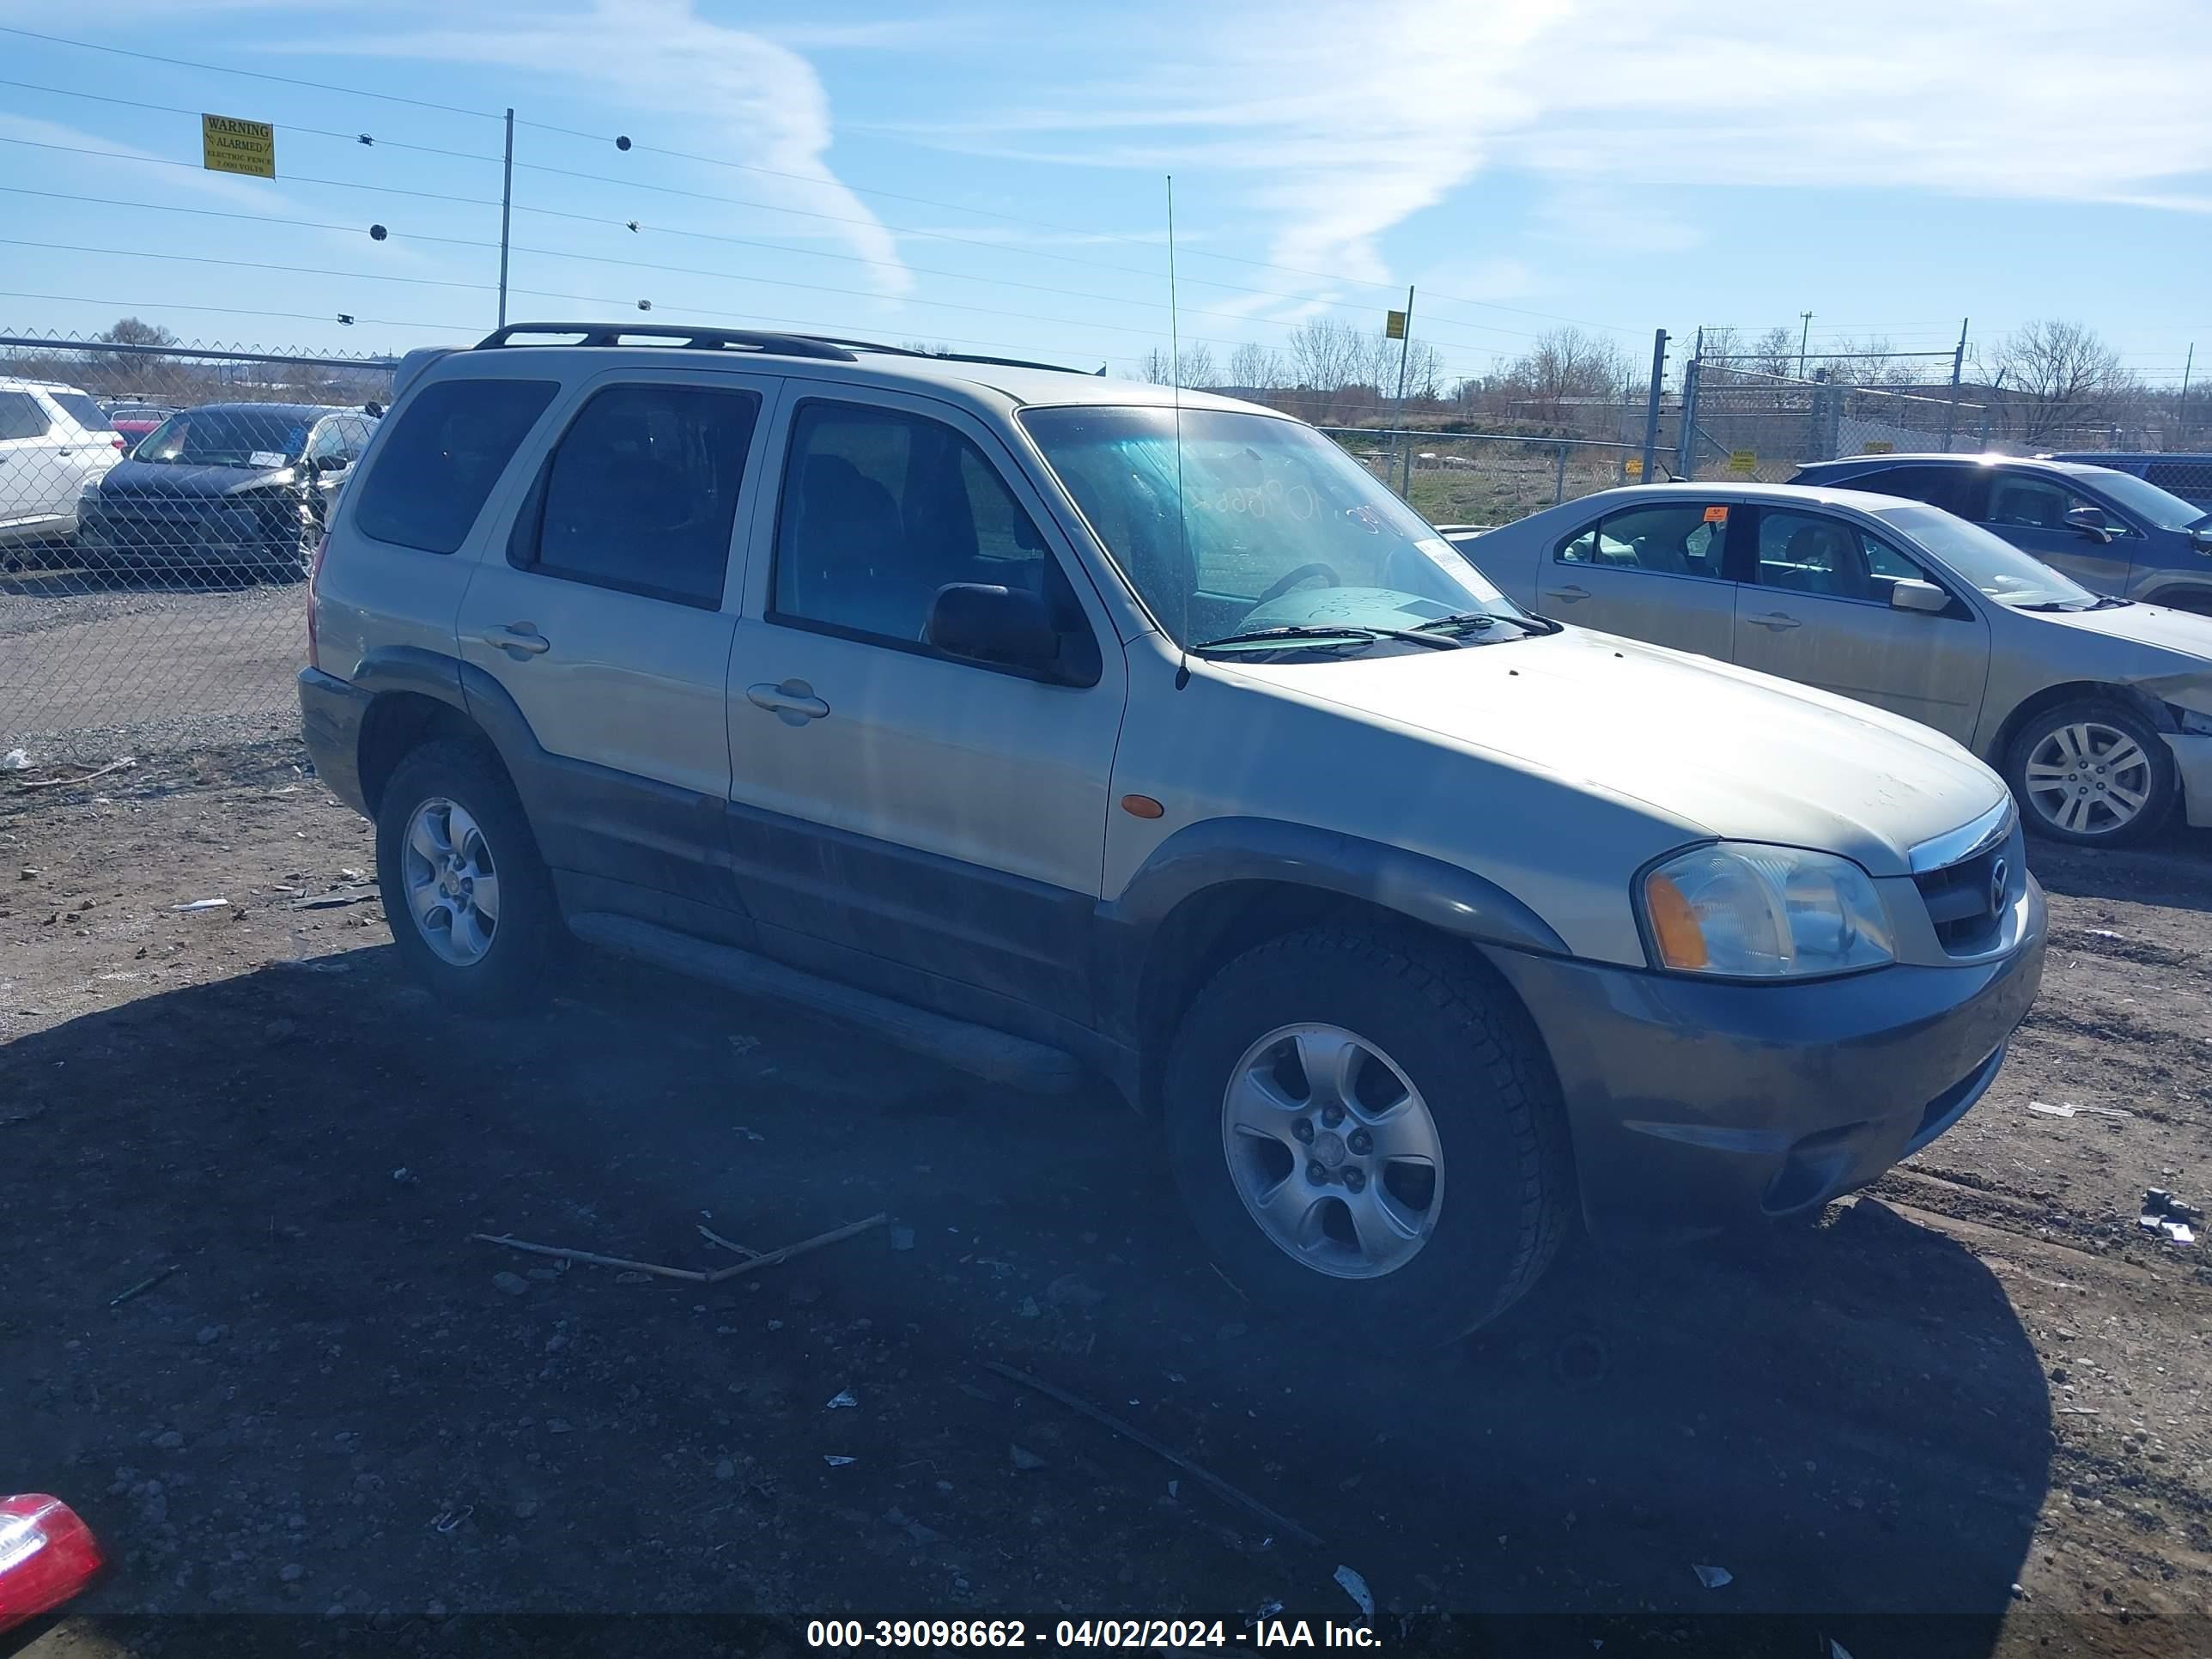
159	506
1488	478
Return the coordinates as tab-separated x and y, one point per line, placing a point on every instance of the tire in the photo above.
526	928
1502	1193
2092	772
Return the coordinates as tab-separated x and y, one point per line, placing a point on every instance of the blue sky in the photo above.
992	175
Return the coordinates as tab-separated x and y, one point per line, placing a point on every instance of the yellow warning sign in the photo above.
1877	446
1635	466
1742	463
1394	325
230	145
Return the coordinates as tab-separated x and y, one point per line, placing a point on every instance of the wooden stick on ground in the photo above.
691	1274
729	1244
1207	1477
57	783
835	1236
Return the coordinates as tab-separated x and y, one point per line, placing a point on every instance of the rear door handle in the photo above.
1776	620
517	639
794	702
1570	595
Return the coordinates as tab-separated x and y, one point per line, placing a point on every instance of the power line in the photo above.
251	75
368	141
246	264
229	311
289	178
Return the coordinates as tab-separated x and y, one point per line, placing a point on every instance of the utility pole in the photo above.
505	208
1398	418
2181	408
1957	363
1804	335
1686	457
1651	404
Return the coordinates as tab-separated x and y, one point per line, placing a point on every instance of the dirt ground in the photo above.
1966	1414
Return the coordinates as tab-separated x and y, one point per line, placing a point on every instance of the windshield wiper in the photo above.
1473	619
1349	634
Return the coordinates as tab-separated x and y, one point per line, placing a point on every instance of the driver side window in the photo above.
2023	503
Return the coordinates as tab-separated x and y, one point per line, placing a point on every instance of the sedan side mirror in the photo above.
2090	522
1914	595
1008	628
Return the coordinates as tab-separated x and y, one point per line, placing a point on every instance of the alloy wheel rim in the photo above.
1334	1151
2089	778
451	881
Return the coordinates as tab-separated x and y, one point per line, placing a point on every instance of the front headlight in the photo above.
1741	910
88	493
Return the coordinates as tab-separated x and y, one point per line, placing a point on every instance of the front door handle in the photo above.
1776	620
517	639
794	702
1570	595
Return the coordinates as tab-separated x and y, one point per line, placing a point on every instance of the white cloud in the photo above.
691	84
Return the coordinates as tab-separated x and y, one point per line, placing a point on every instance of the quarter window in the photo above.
642	490
1671	539
881	509
433	474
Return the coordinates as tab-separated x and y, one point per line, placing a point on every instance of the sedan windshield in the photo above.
1282	542
1996	568
2147	500
225	437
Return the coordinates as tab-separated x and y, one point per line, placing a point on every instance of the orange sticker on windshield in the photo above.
1716	515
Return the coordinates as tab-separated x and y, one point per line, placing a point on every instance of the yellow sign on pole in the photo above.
230	145
1394	327
1634	466
1742	463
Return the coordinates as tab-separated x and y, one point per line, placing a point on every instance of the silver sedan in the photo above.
2098	711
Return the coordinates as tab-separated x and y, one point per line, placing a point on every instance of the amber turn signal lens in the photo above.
1142	806
1674	927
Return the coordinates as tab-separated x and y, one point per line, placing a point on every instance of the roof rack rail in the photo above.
950	356
674	334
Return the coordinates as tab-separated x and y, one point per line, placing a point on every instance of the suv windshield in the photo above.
1280	528
225	437
1996	568
2147	500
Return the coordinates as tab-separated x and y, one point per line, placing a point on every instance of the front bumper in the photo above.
1692	1104
2192	758
330	716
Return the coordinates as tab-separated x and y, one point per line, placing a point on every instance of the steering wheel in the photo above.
1290	579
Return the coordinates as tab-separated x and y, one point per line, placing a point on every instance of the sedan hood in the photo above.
2153	625
1722	752
173	481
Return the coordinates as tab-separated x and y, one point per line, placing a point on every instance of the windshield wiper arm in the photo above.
1468	619
1352	633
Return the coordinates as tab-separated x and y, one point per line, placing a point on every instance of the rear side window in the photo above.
82	410
641	492
20	415
1946	486
439	463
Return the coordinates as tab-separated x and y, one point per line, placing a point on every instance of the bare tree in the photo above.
1326	353
1567	364
2059	374
1195	367
1256	367
1157	366
131	332
1775	352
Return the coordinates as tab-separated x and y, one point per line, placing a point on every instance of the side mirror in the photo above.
2090	522
333	463
1914	595
1008	629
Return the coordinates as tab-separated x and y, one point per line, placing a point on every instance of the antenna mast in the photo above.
1175	382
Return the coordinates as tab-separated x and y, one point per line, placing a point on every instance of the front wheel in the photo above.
1367	1135
2092	772
470	902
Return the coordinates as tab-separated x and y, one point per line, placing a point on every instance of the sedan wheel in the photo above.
2094	773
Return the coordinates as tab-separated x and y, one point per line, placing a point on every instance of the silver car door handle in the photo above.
520	639
1775	620
794	702
1569	594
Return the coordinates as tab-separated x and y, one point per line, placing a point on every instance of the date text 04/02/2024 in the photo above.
835	1633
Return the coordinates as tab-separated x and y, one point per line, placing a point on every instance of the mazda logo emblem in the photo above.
1999	871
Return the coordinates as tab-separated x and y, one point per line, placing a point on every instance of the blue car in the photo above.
2110	531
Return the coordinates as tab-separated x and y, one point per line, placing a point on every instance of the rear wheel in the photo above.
470	904
1368	1136
2092	772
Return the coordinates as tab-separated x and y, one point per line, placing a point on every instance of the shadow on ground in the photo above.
338	1403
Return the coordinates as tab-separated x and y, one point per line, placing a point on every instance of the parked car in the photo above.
228	490
54	440
2189	476
2113	532
2096	711
1051	723
134	421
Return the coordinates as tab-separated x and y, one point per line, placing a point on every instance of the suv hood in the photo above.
175	480
1725	752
